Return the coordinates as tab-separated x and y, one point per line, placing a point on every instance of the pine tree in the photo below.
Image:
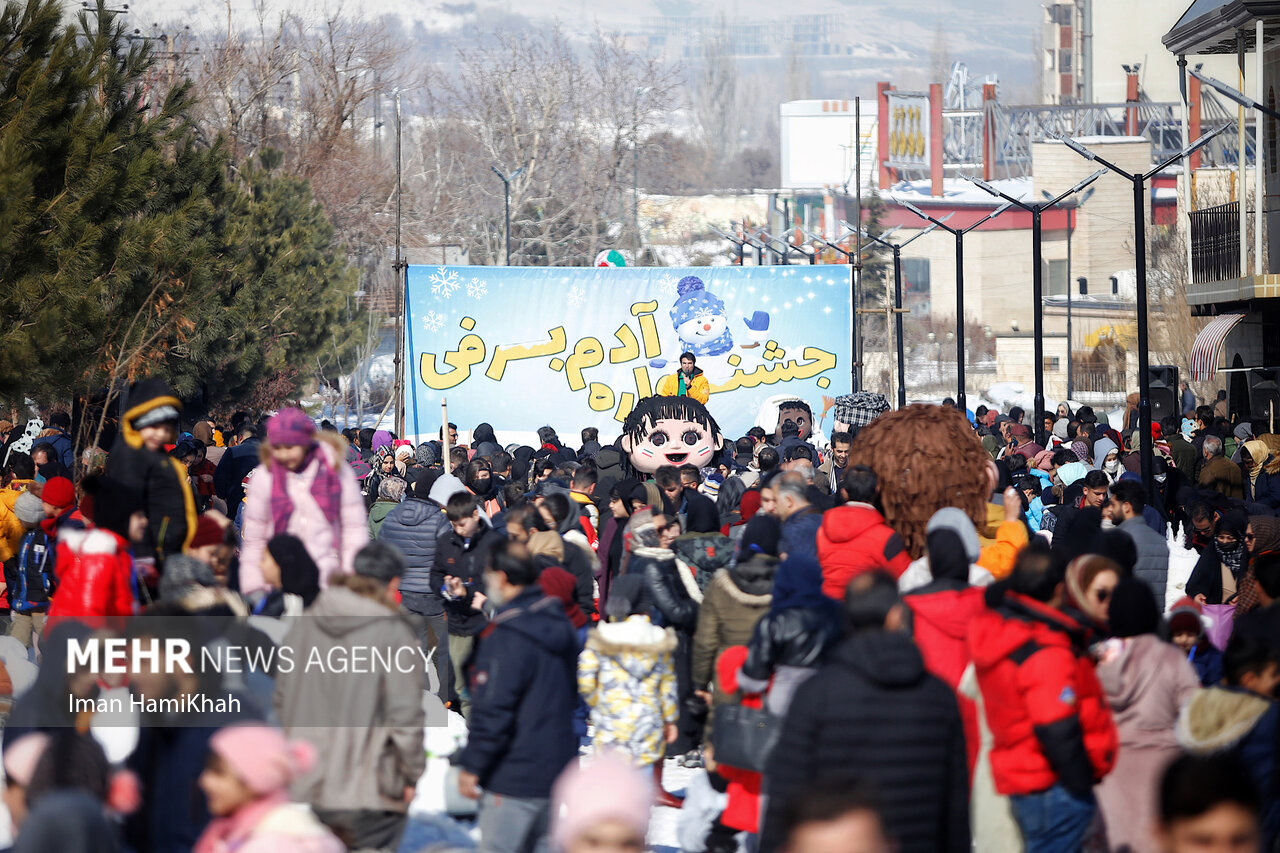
106	204
126	250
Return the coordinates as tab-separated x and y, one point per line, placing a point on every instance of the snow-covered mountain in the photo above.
843	41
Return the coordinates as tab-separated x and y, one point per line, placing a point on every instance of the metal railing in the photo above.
1215	243
1091	380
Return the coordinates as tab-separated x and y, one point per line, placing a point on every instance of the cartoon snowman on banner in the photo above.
701	325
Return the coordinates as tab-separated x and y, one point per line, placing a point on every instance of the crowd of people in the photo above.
929	632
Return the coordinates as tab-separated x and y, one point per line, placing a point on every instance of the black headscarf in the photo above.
948	559
1133	609
298	572
520	461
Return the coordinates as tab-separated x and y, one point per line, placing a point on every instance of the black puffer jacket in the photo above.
664	596
872	713
413	527
792	637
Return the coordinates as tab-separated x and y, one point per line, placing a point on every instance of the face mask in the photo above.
1111	464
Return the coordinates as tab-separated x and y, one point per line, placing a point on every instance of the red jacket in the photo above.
855	539
942	613
742	811
1047	713
95	580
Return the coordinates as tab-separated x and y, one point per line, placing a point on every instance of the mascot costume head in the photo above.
925	457
670	431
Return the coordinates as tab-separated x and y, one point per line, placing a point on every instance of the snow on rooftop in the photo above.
1100	140
958	191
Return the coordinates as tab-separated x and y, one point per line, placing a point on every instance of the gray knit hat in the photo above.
181	573
29	509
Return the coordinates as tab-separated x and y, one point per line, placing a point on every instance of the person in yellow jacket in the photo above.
11	530
688	381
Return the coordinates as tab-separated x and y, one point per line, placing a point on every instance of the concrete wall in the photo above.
1129	31
1102	242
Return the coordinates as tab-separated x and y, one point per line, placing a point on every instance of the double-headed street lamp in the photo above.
506	190
897	292
958	233
1037	279
1139	181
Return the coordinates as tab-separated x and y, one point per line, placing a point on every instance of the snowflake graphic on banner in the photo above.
577	295
477	289
668	284
444	282
433	322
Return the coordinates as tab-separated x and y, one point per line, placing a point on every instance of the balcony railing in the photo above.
1215	243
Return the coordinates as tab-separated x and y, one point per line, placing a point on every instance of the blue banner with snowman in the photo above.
572	347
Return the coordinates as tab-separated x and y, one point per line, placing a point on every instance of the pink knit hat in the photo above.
262	757
608	788
291	427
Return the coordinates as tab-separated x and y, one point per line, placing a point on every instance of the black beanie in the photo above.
761	537
1133	609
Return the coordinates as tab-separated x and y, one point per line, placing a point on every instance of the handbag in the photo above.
744	737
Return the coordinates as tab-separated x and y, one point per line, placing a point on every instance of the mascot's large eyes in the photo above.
691	438
658	439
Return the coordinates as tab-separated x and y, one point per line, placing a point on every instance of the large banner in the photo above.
572	347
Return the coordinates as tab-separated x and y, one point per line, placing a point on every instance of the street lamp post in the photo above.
897	293
1139	181
1037	281
506	192
958	233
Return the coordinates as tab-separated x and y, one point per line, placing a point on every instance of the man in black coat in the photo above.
235	464
699	511
414	527
524	689
462	552
872	713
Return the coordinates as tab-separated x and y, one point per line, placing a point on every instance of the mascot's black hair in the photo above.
796	404
650	410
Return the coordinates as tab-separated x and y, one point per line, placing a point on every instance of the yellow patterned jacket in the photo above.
627	676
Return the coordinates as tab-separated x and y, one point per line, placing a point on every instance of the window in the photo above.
1055	278
1064	60
916	284
1051	364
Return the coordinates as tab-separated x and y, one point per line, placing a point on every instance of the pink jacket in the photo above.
320	535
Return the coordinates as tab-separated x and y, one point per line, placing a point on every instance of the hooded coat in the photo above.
854	539
941	613
523	682
627	676
1147	682
331	542
484	442
367	729
161	480
874	713
732	604
1226	719
1048	716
